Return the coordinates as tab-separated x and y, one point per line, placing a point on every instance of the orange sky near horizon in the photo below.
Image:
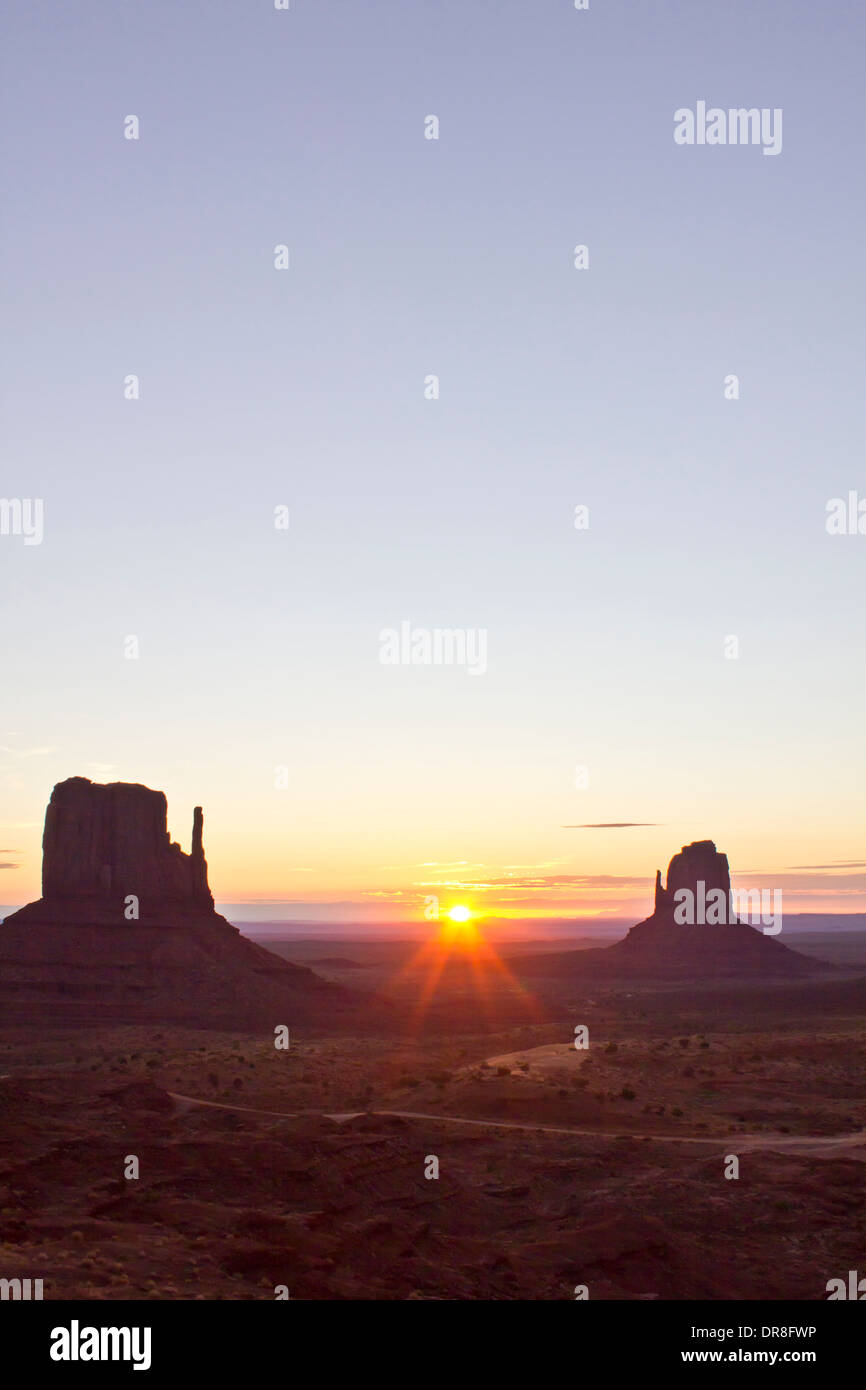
526	871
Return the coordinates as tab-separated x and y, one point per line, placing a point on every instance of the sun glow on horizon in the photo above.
458	930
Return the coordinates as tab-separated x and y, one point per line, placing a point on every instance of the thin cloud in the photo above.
805	884
610	825
543	882
27	752
545	864
447	864
839	864
433	864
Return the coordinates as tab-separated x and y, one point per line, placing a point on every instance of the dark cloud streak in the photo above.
610	825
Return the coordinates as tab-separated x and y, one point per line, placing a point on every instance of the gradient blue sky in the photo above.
558	387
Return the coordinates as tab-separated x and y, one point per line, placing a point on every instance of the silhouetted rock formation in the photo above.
126	930
694	933
103	843
699	862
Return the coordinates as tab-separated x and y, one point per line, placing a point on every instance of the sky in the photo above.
609	696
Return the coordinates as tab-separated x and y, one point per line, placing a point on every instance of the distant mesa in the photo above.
664	946
699	862
126	930
106	843
705	947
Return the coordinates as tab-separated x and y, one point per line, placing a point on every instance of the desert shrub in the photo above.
502	1071
611	1047
627	1093
684	1042
677	1111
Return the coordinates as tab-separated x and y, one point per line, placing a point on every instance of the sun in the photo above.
458	930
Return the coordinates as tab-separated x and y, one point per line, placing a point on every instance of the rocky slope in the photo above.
667	945
126	931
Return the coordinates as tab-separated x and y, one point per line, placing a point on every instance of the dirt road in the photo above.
808	1145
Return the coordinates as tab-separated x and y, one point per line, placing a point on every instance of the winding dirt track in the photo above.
807	1145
